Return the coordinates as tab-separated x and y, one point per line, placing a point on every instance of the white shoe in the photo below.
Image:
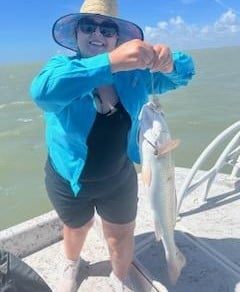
120	286
68	282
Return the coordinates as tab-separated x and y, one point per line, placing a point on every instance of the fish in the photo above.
158	177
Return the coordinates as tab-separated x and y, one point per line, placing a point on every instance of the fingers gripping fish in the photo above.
159	179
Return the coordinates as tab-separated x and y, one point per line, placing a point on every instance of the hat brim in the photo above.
64	30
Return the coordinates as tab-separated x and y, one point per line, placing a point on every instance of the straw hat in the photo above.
103	7
64	29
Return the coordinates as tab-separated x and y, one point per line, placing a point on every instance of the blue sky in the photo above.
25	25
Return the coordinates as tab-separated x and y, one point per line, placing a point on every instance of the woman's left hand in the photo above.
163	59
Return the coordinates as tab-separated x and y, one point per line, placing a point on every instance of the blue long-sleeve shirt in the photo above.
64	91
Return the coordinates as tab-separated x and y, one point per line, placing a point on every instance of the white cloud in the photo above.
177	33
177	21
228	22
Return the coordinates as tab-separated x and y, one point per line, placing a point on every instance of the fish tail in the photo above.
175	266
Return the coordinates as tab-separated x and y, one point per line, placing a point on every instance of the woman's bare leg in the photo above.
74	239
120	240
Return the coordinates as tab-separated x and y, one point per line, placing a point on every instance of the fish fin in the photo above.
146	175
168	146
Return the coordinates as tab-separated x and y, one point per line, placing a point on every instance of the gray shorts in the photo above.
115	199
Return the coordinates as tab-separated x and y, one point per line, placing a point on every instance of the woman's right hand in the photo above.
134	54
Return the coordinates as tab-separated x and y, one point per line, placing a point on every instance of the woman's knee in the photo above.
76	230
115	234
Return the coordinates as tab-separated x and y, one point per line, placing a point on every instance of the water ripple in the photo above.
15	103
24	120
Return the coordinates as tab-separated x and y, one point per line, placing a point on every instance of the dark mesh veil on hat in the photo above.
64	29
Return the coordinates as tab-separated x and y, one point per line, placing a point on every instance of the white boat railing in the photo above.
229	156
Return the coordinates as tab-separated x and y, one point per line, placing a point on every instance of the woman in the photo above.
91	103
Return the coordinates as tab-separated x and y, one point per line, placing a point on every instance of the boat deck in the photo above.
208	235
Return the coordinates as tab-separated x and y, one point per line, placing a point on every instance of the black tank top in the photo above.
107	145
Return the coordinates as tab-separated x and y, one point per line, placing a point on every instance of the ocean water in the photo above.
196	114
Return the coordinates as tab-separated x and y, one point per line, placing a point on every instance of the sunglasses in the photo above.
107	28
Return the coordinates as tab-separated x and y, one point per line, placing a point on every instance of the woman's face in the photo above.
96	35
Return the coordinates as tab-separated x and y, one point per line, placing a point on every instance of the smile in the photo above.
96	43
